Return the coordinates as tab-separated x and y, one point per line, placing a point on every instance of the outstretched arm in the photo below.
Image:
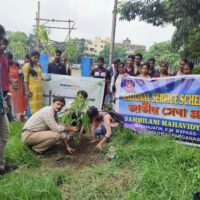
67	147
102	143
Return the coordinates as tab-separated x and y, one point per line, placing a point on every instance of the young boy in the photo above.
130	65
137	63
81	94
101	72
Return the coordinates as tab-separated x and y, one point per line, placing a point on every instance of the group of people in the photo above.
21	91
43	129
22	84
134	67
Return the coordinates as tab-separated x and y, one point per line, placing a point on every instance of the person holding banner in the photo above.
115	84
145	71
33	83
183	62
164	69
114	66
152	72
42	130
188	68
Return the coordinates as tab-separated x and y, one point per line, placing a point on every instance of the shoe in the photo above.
8	168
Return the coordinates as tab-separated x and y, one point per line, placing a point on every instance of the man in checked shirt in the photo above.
42	130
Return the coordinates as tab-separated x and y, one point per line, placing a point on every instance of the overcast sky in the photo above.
92	17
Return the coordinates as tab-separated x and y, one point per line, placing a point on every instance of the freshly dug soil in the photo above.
85	155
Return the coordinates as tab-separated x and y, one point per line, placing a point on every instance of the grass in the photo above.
105	181
16	151
26	184
165	169
144	167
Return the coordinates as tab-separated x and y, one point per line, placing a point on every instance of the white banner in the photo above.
68	86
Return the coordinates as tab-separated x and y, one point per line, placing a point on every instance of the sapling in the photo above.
76	116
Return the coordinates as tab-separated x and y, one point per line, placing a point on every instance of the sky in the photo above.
92	18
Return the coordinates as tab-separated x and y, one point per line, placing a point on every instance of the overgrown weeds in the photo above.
166	169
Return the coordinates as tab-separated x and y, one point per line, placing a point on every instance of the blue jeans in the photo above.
100	130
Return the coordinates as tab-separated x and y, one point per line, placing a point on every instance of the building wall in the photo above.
97	45
126	44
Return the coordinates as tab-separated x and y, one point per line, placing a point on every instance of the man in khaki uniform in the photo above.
42	130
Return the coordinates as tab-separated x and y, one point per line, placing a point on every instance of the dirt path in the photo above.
85	155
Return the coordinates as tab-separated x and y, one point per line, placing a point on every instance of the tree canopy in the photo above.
118	53
192	46
184	15
162	51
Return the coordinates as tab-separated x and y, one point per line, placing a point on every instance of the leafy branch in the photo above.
76	115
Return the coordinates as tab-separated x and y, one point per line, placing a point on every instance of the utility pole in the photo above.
37	26
113	32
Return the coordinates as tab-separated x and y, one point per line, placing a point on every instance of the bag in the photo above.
116	116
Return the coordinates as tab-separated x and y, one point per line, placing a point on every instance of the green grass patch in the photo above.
144	167
16	151
26	184
165	169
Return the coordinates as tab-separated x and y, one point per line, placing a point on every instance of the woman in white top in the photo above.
115	84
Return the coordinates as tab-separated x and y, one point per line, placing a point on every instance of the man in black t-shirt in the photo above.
101	72
57	67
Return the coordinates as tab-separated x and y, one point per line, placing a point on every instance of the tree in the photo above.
17	37
192	46
74	50
45	44
184	15
118	53
163	52
17	44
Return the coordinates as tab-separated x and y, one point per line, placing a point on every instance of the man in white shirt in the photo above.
42	130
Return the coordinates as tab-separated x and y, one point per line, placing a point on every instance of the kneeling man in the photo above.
42	130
